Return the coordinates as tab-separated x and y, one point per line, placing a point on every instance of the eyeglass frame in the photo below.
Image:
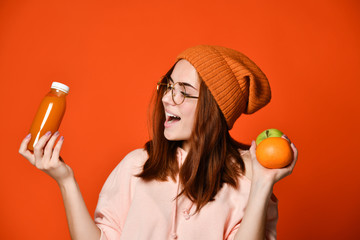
169	85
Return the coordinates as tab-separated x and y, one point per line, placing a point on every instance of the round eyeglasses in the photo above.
178	90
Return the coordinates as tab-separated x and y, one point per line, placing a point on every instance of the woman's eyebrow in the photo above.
185	83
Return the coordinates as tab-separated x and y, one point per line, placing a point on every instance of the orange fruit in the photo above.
274	152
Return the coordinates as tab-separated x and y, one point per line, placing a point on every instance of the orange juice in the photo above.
50	113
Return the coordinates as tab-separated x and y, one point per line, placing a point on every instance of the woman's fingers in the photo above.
24	151
56	153
39	146
48	151
46	157
253	149
286	137
278	173
295	151
289	169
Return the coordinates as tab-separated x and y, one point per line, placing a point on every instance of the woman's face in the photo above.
180	118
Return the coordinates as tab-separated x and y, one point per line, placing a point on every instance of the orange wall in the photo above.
111	54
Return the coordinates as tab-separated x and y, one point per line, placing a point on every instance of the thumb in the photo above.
253	148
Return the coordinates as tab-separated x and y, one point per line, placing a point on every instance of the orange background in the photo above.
111	54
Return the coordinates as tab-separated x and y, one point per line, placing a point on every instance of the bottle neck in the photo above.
57	92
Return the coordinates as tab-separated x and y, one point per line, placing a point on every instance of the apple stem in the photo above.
267	133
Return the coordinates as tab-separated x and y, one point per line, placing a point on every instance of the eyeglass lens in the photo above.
177	91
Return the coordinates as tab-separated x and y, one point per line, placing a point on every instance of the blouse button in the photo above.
173	236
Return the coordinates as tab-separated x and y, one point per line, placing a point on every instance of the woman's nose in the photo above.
167	98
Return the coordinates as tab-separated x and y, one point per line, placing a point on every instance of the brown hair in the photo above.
213	158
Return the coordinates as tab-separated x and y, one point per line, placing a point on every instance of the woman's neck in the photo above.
185	146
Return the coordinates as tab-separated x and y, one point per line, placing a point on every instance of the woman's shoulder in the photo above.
133	161
139	154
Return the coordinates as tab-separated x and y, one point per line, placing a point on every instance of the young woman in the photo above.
192	180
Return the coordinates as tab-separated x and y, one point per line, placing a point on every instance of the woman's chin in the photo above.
170	137
173	136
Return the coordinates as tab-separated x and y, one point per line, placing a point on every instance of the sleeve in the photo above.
115	196
271	218
271	221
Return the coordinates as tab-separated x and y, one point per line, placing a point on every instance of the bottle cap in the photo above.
60	86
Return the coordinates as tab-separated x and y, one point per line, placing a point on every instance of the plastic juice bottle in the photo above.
50	113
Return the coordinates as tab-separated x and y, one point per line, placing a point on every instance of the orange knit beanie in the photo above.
237	84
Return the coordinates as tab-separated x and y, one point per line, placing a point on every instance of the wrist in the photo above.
263	180
262	186
67	183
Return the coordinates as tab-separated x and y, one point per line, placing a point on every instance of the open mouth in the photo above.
171	118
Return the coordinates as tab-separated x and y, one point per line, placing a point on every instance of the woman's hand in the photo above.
273	175
46	157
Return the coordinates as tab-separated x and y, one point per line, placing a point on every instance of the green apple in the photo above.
272	132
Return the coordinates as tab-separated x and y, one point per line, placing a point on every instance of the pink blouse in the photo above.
130	208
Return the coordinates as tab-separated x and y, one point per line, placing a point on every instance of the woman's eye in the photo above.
185	94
